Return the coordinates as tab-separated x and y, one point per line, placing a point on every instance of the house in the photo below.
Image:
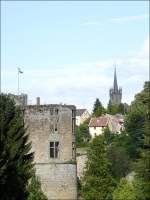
115	123
81	116
97	125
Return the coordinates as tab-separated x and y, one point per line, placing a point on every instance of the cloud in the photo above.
81	83
130	18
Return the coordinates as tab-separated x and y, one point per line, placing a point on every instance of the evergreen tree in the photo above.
15	160
98	109
34	189
97	182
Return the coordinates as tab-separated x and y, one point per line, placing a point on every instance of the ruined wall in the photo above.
49	123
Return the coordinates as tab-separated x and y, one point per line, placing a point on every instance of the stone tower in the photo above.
52	132
115	93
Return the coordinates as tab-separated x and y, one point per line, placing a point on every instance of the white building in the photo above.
81	116
115	123
97	125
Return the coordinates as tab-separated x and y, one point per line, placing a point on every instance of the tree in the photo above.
142	177
137	127
97	181
16	166
124	191
83	135
134	128
120	161
113	109
108	136
98	109
34	189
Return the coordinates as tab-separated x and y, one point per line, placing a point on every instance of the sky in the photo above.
67	50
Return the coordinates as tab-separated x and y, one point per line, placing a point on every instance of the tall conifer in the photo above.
15	157
97	183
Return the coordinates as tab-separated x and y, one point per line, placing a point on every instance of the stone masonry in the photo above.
52	132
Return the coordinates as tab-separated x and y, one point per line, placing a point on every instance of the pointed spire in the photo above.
115	81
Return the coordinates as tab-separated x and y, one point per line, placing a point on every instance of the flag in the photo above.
20	71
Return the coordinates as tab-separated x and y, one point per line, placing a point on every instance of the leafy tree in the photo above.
97	182
113	109
137	127
108	136
83	135
98	109
124	191
16	166
142	178
120	161
34	189
134	127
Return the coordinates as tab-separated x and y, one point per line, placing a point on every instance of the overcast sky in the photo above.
67	50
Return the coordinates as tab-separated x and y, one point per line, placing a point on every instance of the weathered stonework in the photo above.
55	124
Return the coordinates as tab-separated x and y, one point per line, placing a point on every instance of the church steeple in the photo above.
115	82
115	92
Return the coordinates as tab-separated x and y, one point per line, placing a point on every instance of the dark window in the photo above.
51	149
73	150
54	149
56	127
56	111
73	114
73	125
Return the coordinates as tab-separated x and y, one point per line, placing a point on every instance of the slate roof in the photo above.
79	112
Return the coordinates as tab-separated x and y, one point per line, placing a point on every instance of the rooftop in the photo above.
79	112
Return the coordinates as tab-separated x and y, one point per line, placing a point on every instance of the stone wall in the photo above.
47	123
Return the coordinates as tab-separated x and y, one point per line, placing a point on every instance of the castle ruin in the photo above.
51	130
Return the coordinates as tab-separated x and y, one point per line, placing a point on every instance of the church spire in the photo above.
115	81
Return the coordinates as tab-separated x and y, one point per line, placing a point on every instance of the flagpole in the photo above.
18	81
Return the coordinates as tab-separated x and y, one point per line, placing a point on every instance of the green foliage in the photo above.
16	166
34	189
116	154
120	161
114	109
142	178
98	109
138	128
97	182
108	136
134	127
79	186
124	191
83	135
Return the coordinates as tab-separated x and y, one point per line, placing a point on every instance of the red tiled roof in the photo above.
99	121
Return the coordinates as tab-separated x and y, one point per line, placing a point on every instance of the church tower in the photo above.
115	93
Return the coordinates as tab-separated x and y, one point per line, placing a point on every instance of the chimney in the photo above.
37	101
